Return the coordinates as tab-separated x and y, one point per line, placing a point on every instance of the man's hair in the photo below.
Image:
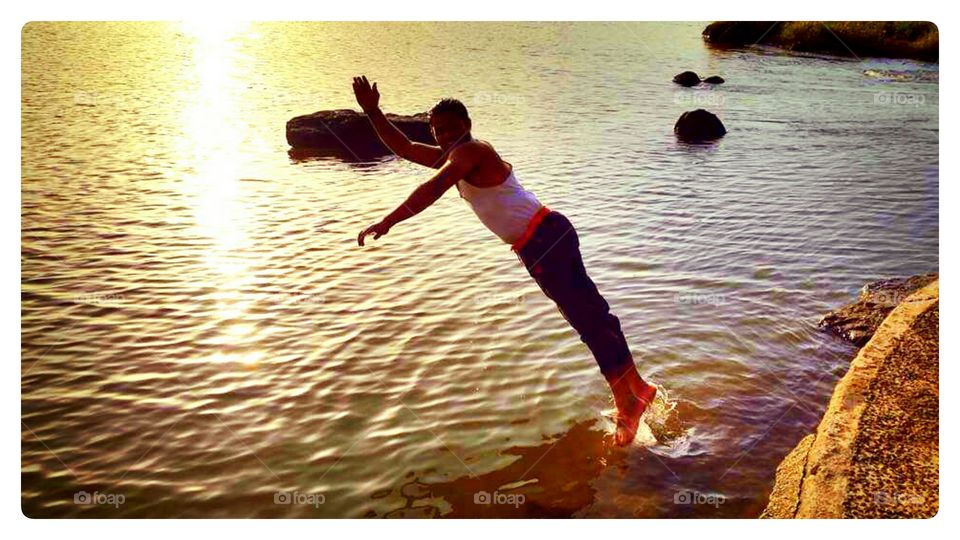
451	106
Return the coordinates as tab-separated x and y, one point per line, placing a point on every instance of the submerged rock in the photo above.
690	78
687	78
859	320
350	132
699	126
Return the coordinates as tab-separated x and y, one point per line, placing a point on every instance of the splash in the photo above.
659	425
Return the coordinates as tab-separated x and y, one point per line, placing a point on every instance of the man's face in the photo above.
448	129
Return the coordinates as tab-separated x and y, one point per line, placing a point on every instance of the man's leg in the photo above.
566	282
557	266
554	261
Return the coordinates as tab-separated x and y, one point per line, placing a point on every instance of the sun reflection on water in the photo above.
212	150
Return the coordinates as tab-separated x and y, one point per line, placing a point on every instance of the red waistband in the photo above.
531	228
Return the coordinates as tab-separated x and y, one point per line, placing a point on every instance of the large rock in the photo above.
699	126
859	320
687	78
875	453
740	33
350	132
690	78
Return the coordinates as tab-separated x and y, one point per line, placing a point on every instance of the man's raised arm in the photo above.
396	140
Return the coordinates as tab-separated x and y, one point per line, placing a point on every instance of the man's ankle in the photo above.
621	374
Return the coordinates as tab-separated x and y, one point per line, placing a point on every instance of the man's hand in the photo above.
377	230
392	137
458	165
368	98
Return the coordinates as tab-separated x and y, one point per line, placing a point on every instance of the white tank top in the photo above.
505	209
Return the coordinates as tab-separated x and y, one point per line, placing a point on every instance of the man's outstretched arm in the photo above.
396	140
426	194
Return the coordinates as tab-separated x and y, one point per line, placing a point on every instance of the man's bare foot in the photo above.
632	396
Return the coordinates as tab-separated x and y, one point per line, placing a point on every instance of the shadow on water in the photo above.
558	478
584	474
549	480
354	158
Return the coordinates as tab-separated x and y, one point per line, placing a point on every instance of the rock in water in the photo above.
687	78
716	79
859	320
351	133
699	126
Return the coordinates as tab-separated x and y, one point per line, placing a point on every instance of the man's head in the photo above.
449	122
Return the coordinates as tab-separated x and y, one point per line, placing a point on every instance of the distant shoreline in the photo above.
916	40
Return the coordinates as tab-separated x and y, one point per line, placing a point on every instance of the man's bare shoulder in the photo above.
474	151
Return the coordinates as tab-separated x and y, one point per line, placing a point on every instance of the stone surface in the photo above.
896	455
690	78
687	78
699	126
785	495
876	450
350	133
859	320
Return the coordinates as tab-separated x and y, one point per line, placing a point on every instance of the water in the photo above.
200	331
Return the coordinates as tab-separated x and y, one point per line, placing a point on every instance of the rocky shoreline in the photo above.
905	39
875	453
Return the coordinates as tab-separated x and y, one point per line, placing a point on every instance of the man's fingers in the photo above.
366	232
375	230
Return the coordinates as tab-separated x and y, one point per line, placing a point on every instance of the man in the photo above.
544	240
